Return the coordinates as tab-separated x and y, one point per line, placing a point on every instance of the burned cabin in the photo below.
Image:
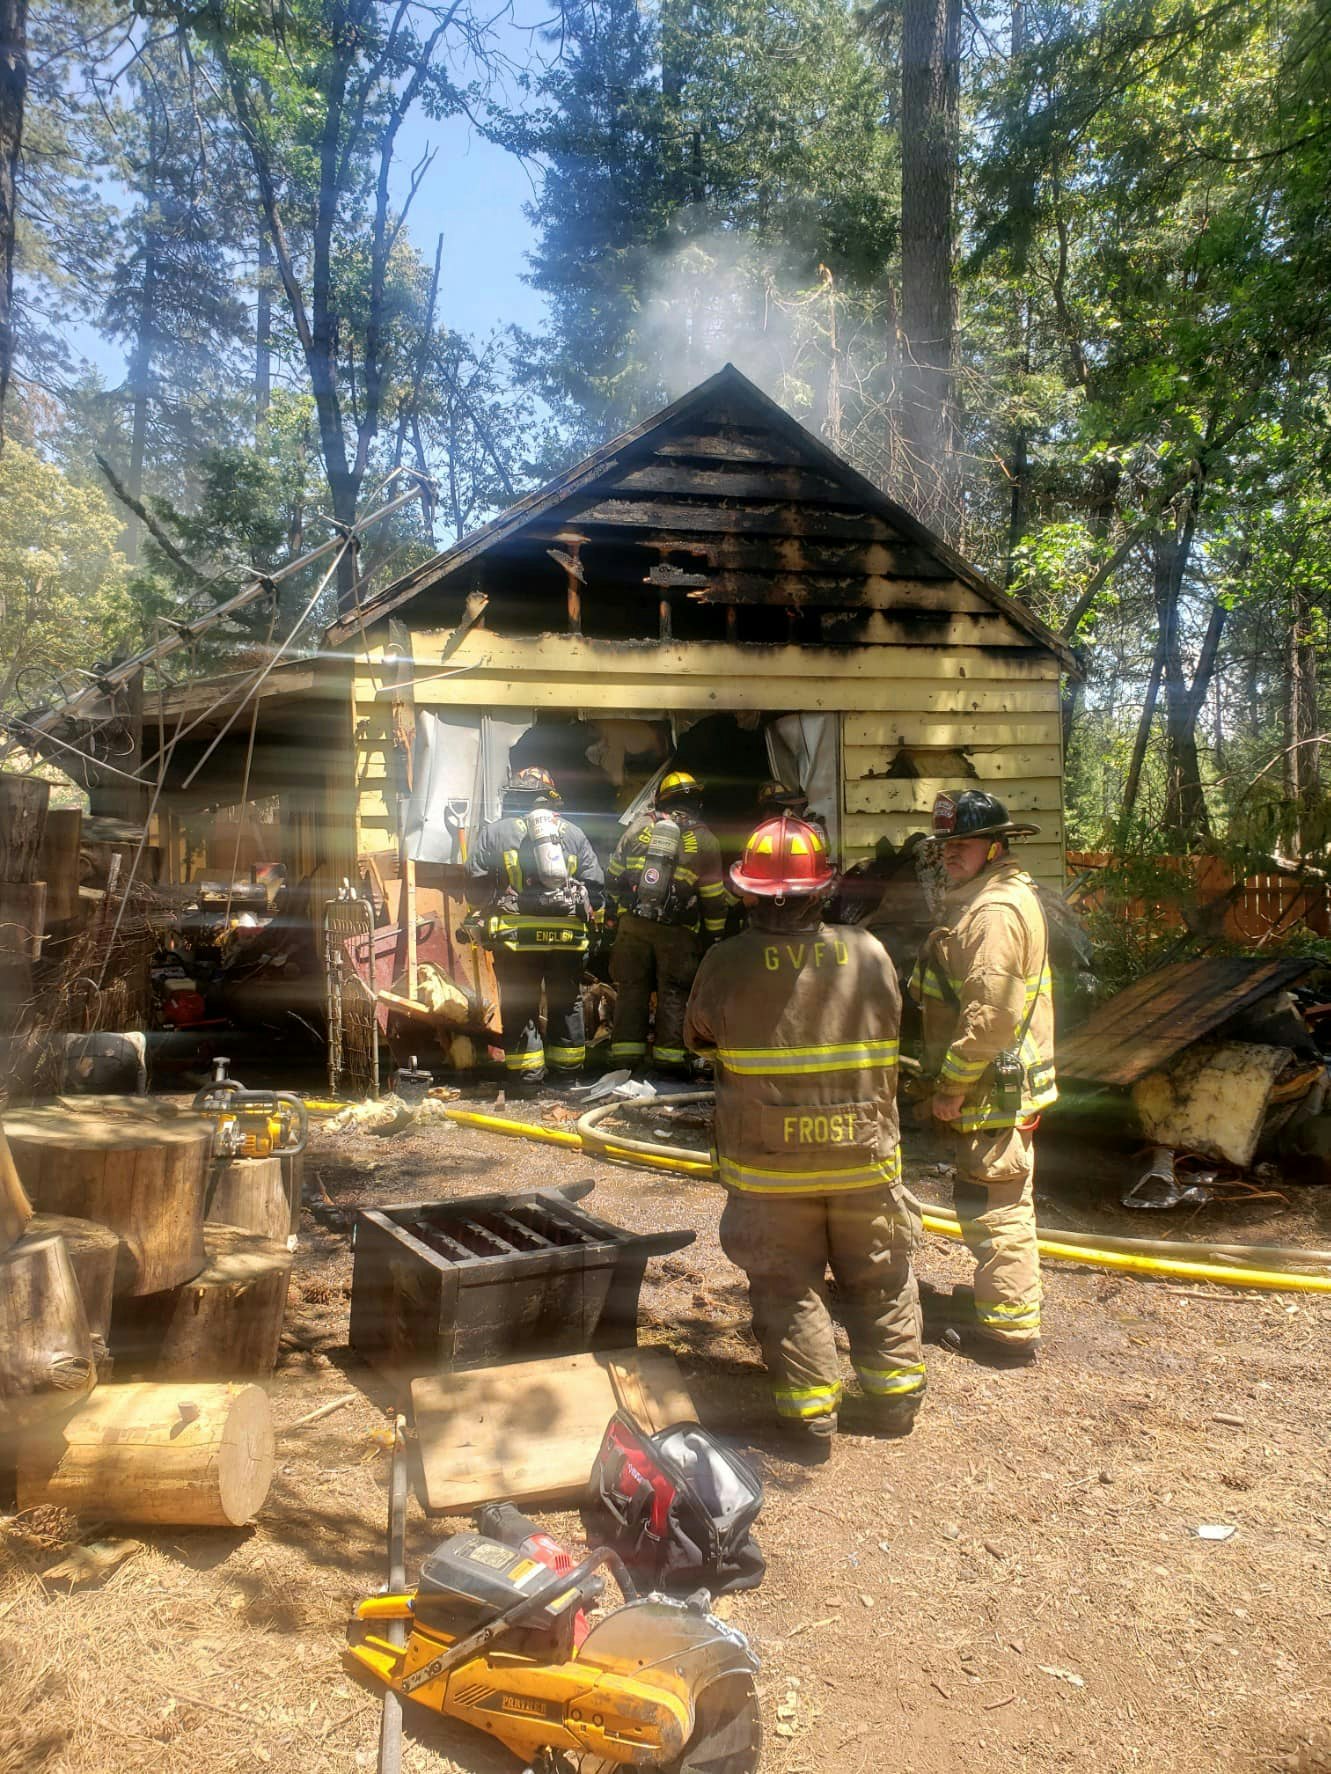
716	589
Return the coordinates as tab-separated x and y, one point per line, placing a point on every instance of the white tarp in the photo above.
460	768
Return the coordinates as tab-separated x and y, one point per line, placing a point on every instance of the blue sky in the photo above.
473	193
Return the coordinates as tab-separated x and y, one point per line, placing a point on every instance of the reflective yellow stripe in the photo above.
524	1062
754	1179
806	1401
835	1056
671	1056
522	934
964	1071
628	1050
1002	1315
513	869
892	1382
712	890
565	1056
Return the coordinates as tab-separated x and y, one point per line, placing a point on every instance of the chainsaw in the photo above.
498	1636
252	1123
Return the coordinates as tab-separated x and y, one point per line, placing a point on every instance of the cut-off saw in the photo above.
502	1640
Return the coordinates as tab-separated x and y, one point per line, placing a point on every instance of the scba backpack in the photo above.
677	1507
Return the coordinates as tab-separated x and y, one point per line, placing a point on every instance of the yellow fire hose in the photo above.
1141	1257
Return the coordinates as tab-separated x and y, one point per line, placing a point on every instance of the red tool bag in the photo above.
677	1507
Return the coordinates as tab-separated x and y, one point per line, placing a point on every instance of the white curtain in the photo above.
803	751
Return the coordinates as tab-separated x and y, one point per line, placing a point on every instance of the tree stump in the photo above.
293	1179
183	1454
15	1208
138	1167
92	1252
46	1353
225	1324
58	864
250	1193
22	921
23	803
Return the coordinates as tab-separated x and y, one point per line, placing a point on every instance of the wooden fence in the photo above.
1255	909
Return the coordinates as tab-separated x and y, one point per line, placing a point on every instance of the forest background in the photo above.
1054	273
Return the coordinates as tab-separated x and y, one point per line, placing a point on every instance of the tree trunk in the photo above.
118	1163
1302	758
58	864
224	1324
263	336
145	340
1186	817
13	92
181	1454
46	1352
930	105
1139	744
1021	221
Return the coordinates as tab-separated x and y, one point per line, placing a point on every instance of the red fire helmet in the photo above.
784	858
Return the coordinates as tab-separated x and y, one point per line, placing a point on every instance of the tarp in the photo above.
459	770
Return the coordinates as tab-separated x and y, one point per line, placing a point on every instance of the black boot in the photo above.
992	1351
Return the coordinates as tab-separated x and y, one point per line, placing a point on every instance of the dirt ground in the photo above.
1018	1586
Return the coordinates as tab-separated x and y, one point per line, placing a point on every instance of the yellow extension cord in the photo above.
589	1138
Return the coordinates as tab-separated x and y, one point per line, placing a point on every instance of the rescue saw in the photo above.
499	1640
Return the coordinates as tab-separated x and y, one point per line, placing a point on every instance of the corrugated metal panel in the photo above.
1165	1011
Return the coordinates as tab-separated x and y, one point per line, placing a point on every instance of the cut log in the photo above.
23	802
138	1167
22	920
58	864
46	1353
250	1193
187	1455
15	1208
225	1324
93	1251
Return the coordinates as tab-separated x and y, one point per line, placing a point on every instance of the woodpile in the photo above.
124	1263
23	801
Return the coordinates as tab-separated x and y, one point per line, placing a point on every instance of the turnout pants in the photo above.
785	1245
520	977
995	1203
646	956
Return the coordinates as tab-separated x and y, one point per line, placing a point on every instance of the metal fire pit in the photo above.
446	1284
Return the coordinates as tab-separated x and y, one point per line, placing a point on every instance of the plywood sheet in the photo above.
530	1429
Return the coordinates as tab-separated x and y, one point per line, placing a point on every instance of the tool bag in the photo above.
677	1507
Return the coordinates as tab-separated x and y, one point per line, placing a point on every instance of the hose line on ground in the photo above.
1147	1256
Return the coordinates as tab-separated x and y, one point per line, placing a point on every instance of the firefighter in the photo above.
668	898
539	884
983	984
801	1019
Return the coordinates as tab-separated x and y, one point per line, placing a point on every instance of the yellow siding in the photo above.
1000	707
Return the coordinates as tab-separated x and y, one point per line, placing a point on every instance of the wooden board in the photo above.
873	736
903	794
531	1429
998	763
1165	1011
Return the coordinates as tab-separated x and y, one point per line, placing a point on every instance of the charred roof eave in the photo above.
619	452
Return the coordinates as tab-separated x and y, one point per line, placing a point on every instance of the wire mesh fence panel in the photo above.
353	1029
